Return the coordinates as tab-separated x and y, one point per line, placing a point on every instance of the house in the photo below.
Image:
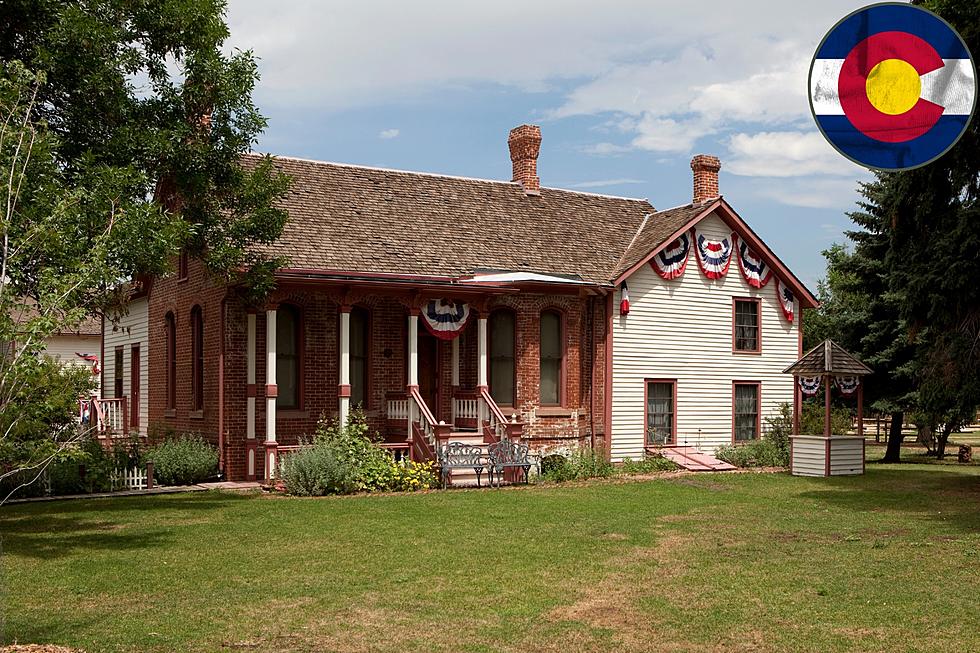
125	373
75	345
449	307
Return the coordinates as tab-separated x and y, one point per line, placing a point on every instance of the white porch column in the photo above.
482	375
271	392
343	391
250	395
413	348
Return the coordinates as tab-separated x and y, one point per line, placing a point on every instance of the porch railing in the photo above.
106	417
466	409
426	432
496	427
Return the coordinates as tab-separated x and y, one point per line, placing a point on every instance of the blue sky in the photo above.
625	91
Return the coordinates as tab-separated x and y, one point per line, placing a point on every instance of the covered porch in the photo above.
412	354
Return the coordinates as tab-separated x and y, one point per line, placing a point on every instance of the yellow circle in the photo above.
893	86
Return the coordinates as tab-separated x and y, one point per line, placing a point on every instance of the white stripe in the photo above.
953	86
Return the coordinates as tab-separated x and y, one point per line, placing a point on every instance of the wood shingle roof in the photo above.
828	358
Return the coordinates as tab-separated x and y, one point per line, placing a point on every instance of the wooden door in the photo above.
429	371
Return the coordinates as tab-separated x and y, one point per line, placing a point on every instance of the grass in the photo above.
761	562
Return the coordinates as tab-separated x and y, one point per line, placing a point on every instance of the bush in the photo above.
771	451
344	460
183	461
811	421
647	465
576	465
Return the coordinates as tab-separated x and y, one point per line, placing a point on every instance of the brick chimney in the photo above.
525	143
705	169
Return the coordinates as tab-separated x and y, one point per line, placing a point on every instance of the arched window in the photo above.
289	360
170	334
552	353
360	339
502	346
197	359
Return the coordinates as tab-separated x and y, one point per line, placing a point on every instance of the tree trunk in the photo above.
893	451
942	440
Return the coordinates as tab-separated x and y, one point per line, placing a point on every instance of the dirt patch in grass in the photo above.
38	648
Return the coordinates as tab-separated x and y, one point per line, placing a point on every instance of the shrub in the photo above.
759	453
344	460
183	461
576	465
316	471
647	465
811	421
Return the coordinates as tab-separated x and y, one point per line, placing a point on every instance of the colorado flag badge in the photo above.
892	86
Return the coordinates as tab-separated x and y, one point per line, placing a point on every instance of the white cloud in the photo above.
786	154
388	134
604	183
812	193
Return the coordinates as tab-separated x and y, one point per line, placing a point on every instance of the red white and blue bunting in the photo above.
847	385
445	319
786	299
754	269
93	359
714	256
671	261
624	300
810	385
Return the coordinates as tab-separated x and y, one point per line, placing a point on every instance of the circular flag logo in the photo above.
892	86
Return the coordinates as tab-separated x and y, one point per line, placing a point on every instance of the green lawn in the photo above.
885	562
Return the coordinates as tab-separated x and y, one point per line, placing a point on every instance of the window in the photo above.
746	411
502	341
134	386
197	359
170	327
746	332
182	265
288	345
660	412
552	351
360	338
117	373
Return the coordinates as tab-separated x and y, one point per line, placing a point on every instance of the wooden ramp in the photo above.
691	459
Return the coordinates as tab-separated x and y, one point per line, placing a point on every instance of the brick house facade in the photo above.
372	252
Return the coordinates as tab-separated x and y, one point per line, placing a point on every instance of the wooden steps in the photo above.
468	477
693	460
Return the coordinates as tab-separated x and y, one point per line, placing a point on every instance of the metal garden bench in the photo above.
459	455
507	454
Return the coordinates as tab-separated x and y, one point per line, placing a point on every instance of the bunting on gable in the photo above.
847	385
754	269
714	256
445	319
786	299
671	261
810	385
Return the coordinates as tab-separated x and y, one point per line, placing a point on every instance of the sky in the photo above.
625	92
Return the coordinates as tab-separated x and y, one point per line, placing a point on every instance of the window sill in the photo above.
196	414
292	413
747	352
170	412
554	411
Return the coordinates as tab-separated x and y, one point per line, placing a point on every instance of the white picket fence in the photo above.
131	479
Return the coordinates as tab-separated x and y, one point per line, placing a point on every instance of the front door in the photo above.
429	371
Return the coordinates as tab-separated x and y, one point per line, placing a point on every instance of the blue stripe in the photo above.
888	156
889	18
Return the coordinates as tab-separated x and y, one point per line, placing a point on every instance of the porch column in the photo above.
861	407
343	391
250	395
481	368
797	405
455	377
271	392
413	348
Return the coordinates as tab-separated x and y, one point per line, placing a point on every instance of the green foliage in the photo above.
578	464
812	419
774	448
183	461
647	465
345	460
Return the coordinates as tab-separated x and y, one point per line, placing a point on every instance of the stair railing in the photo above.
496	427
425	432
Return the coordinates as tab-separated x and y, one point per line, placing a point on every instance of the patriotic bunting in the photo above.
754	269
847	384
810	385
714	256
671	262
91	358
624	302
445	319
786	299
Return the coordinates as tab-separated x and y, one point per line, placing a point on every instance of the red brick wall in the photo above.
705	168
584	332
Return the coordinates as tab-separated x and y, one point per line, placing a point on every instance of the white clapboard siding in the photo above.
66	348
682	330
131	329
810	455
